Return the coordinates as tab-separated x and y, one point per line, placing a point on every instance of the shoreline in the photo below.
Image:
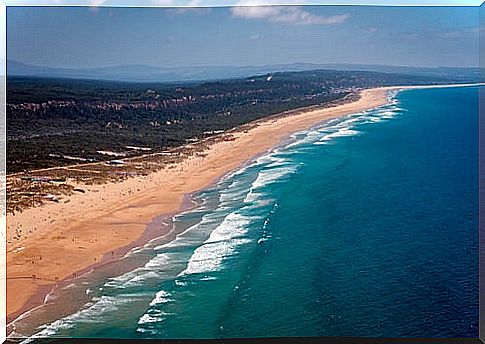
153	202
39	298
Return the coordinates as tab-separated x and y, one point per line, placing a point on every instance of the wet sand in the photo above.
106	221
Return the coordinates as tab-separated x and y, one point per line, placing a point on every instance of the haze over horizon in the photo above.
241	66
85	37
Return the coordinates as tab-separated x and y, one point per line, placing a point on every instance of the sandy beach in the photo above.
61	239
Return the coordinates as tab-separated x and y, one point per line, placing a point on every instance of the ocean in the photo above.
366	225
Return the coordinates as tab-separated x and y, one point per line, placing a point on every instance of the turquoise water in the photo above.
363	226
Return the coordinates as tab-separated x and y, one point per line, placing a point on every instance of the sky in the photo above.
82	37
213	3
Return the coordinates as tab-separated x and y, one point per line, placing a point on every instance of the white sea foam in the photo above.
160	297
159	260
230	229
91	313
342	132
153	316
227	198
221	243
261	240
345	127
234	174
266	177
329	127
147	318
278	161
69	286
138	276
148	322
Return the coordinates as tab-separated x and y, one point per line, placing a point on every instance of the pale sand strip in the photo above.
73	236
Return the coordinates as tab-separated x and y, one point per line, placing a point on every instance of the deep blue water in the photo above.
363	226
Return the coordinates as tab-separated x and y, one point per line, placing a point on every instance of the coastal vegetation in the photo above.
63	135
55	122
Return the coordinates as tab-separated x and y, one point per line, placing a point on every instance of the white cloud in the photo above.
253	9
192	6
163	2
190	3
268	2
96	2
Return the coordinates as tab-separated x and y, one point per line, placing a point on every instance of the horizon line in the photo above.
236	66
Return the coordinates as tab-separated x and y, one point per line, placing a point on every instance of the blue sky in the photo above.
213	3
90	37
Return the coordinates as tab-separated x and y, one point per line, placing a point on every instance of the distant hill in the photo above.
146	73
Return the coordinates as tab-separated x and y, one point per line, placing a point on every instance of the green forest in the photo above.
54	122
